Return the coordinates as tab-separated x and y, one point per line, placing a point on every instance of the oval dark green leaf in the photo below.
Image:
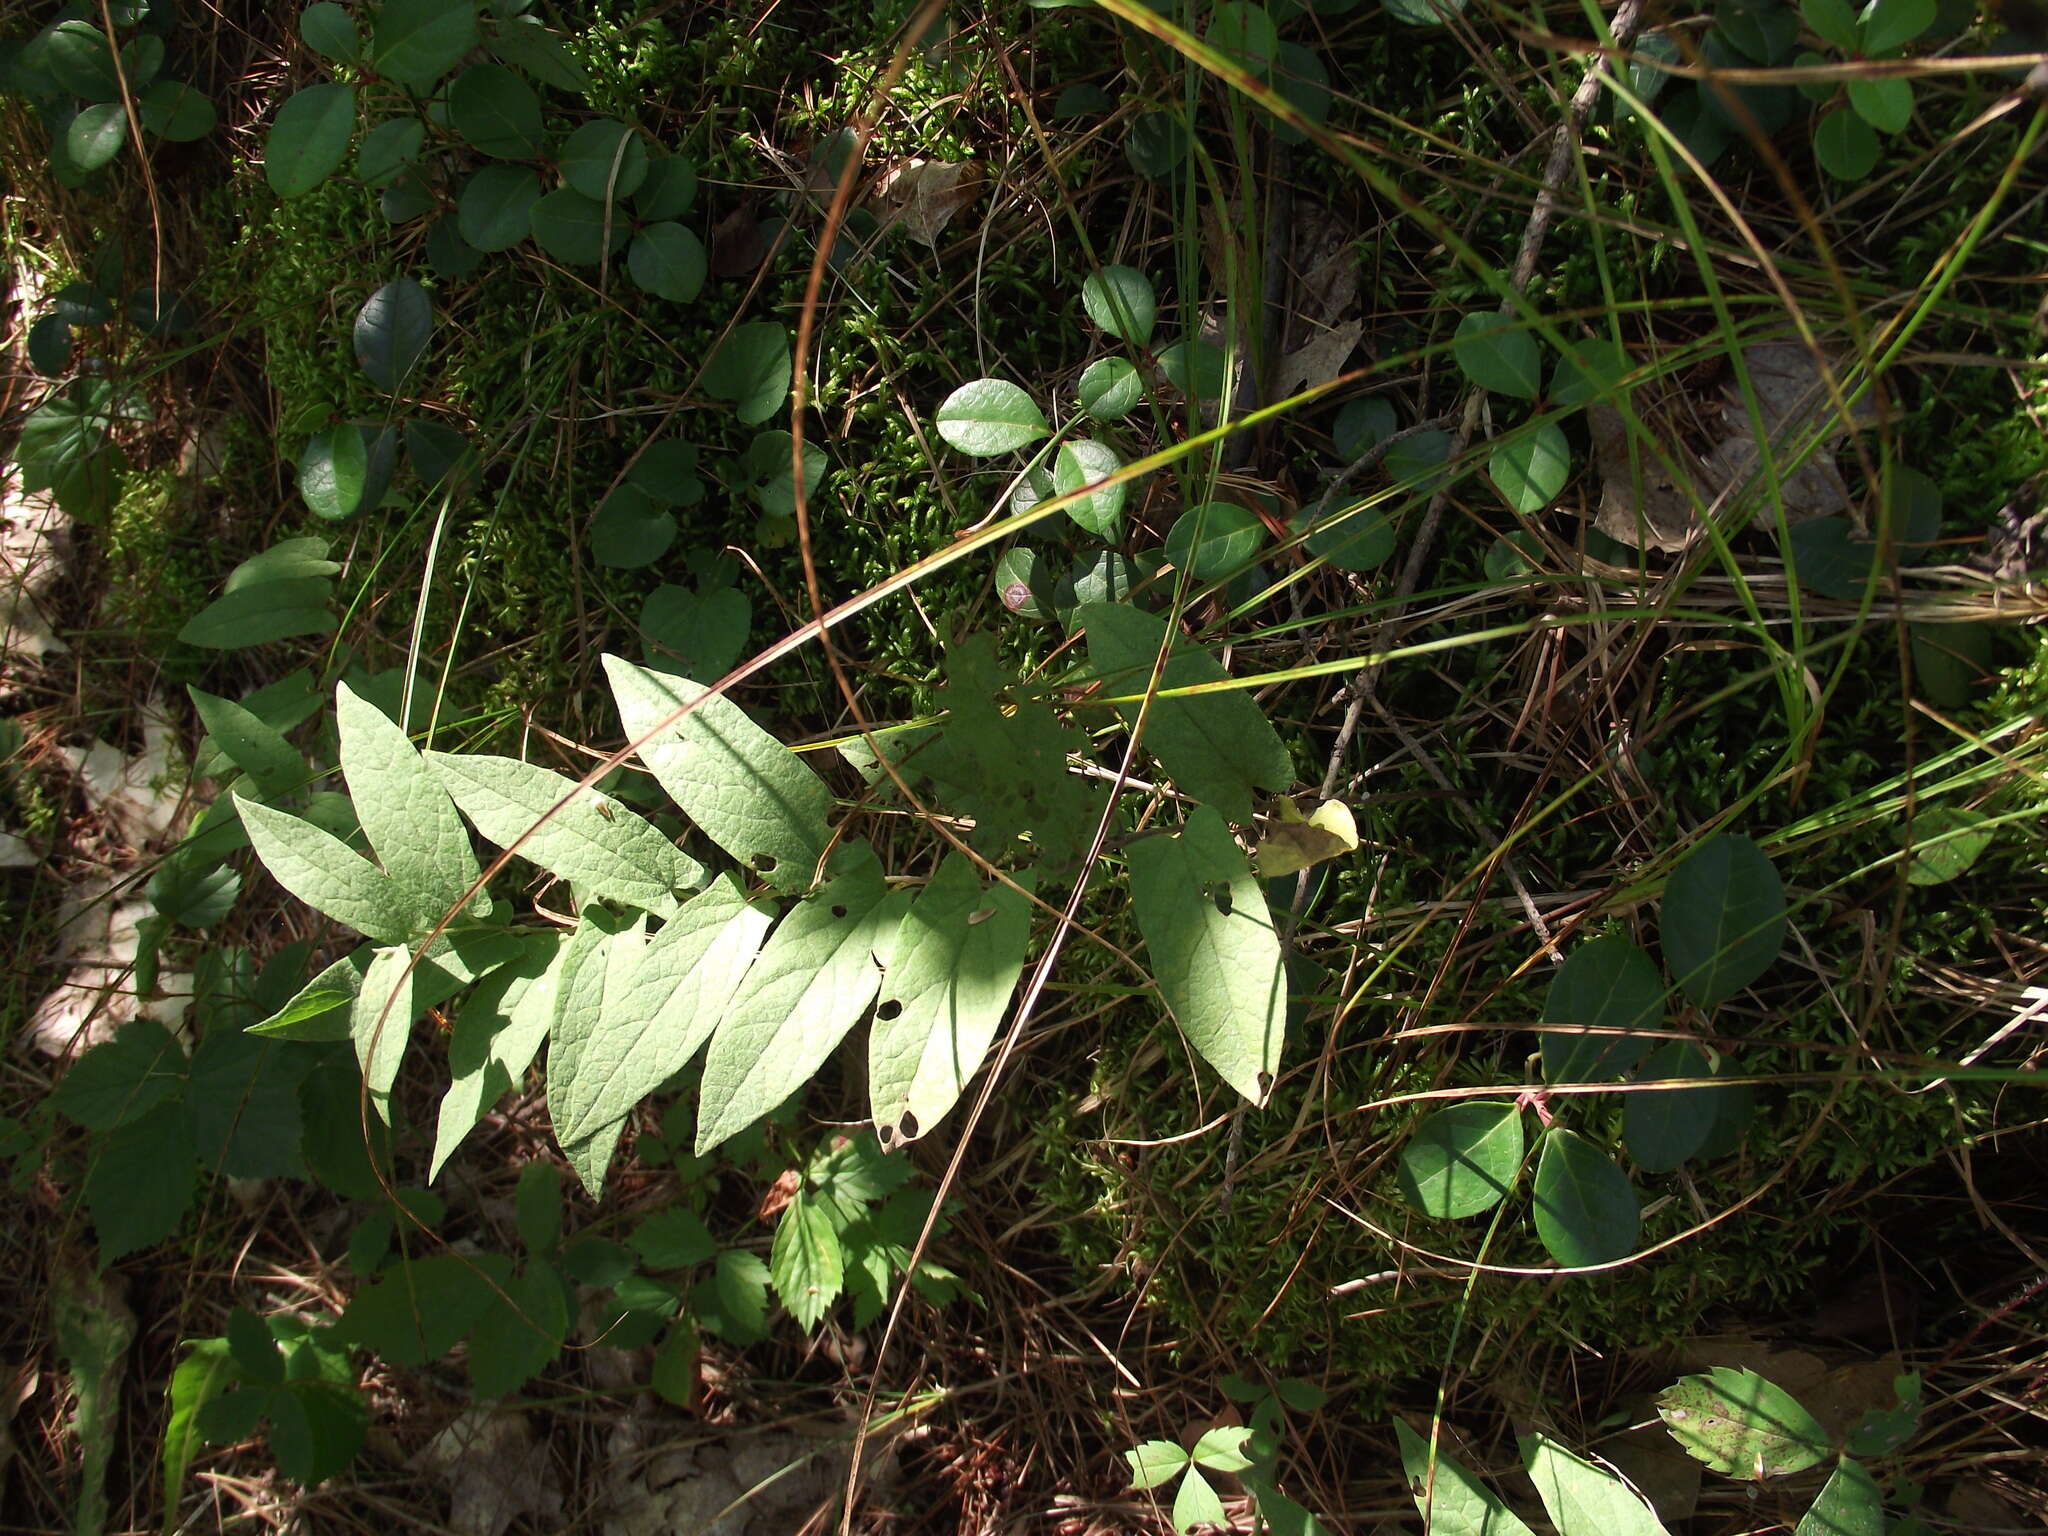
1362	425
751	369
497	112
1354	538
1120	301
495	210
418	41
175	111
670	189
1214	539
1607	984
332	472
1110	388
1663	1128
1846	146
1463	1160
392	331
330	31
604	160
1025	583
573	229
449	255
630	531
1082	462
1529	467
388	149
96	135
1586	1209
668	261
309	139
77	57
1494	352
1723	918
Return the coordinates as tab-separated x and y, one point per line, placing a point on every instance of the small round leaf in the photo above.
668	261
669	190
497	112
388	149
1606	984
1156	144
605	159
630	531
1198	369
1463	1160
96	135
990	416
1362	425
1590	371
1354	538
698	634
1886	103
1081	462
1663	1128
332	471
1494	352
1586	1209
78	58
175	111
449	255
752	370
573	228
667	472
1889	24
416	42
1025	583
1120	301
330	31
1110	389
495	209
1846	146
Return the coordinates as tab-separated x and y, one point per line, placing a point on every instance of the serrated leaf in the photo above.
1882	1431
308	140
1155	1462
1741	1425
952	970
674	1000
1223	1449
1607	984
519	1333
1219	747
752	370
420	1309
732	1301
812	982
324	873
672	1239
416	42
1583	1497
597	971
1586	1209
380	1022
405	812
1195	1504
141	1180
392	331
1451	1500
748	792
1723	919
1214	951
1120	301
594	843
1463	1160
244	1096
498	1032
1494	352
990	416
122	1079
806	1264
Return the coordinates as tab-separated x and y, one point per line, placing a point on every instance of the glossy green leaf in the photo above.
666	1010
1723	919
1583	1497
1889	24
77	56
1155	1462
953	968
812	982
1463	1159
1885	102
748	792
495	209
1424	13
1741	1425
527	45
49	346
1214	540
392	331
333	471
1218	747
325	873
668	261
1607	984
630	531
142	59
405	812
1110	389
1496	353
990	416
1120	301
497	112
1530	467
96	135
498	1031
1586	1210
330	31
573	229
752	370
1946	842
388	149
308	140
1846	146
416	42
593	842
669	191
604	160
1450	1499
806	1264
1081	462
1215	954
1664	1128
1025	582
1851	1504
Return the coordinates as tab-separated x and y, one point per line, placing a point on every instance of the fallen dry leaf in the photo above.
1324	322
924	195
494	1473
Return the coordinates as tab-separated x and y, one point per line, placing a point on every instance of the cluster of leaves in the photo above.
1733	1420
1708	116
1722	924
86	85
1250	1452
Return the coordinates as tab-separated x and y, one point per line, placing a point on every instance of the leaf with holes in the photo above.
416	42
1607	984
1723	918
1218	747
748	792
405	812
1586	1209
752	370
1583	1497
596	844
990	416
955	962
392	331
813	980
1530	467
1463	1160
666	1010
1120	301
1451	1500
1494	352
1082	462
1741	1425
806	1265
1215	954
327	875
308	140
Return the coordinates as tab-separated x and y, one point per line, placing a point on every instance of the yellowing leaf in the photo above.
1293	842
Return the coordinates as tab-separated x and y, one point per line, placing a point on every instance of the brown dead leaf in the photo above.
494	1473
1641	504
924	195
1324	324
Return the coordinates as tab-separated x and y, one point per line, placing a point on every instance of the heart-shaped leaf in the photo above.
1530	467
751	368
